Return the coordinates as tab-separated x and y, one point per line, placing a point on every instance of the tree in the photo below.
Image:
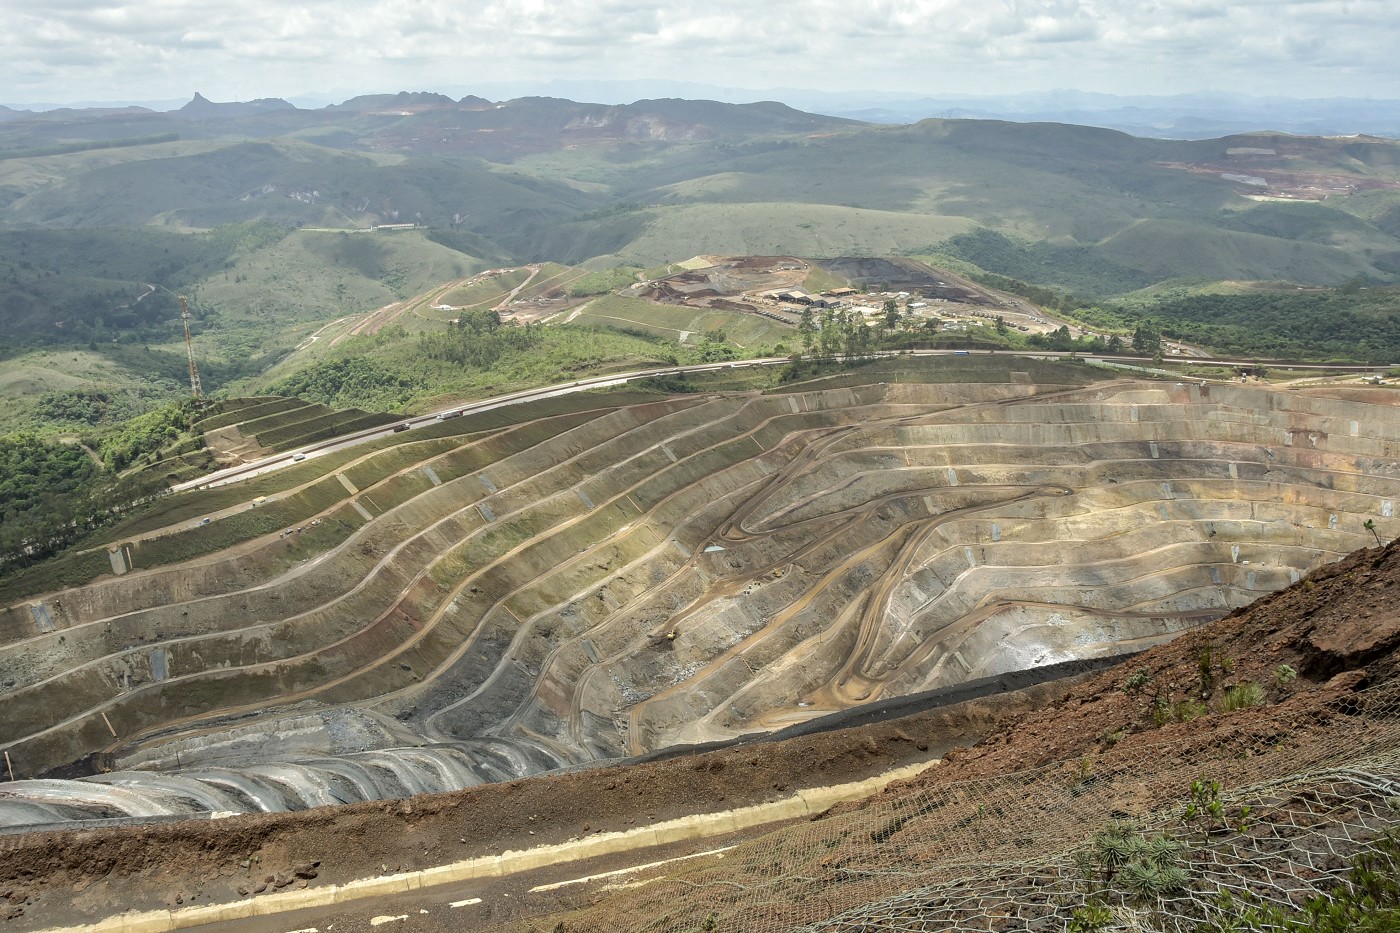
808	329
1147	340
480	321
828	338
713	351
891	314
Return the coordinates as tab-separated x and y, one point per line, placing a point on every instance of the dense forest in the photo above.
1348	323
45	488
351	382
1077	269
66	287
53	493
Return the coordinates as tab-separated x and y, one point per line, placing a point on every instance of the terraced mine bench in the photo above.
483	604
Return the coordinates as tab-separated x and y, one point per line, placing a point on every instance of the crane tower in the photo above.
195	388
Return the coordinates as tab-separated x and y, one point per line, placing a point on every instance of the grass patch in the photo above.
781	229
60	574
603	281
237	411
674	322
332	532
1242	696
981	368
488	290
323	428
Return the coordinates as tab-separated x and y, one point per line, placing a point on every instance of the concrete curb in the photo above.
804	803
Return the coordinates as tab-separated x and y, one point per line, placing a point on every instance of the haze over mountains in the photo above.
428	158
1177	116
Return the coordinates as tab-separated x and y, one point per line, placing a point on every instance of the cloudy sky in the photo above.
70	50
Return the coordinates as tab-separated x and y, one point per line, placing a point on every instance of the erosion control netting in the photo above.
1165	839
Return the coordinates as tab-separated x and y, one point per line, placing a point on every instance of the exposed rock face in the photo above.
201	108
1041	776
600	585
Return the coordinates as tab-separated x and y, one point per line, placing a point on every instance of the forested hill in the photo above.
275	221
53	493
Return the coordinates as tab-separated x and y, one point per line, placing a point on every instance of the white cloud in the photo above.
88	49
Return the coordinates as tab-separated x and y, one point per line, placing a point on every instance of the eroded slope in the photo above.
606	583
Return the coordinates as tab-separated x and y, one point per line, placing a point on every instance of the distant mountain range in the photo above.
1182	116
655	180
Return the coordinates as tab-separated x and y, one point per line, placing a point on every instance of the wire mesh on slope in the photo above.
1278	817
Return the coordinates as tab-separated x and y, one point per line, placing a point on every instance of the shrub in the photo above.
1161	712
1204	660
1111	737
1140	868
1137	681
1242	696
1146	881
1206	811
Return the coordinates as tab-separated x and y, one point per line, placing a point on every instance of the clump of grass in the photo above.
1187	710
1111	737
1242	696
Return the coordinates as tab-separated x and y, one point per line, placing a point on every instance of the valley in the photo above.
278	222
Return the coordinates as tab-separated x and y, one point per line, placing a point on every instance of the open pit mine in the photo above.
468	604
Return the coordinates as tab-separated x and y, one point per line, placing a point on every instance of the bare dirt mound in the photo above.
231	448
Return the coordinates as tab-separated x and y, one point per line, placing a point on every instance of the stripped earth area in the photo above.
597	584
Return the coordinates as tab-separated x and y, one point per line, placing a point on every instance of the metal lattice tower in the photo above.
195	388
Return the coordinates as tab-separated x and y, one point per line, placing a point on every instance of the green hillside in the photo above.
255	290
294	183
262	219
312	275
1163	248
748	332
816	230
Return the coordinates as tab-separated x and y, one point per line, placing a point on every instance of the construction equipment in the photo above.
195	388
